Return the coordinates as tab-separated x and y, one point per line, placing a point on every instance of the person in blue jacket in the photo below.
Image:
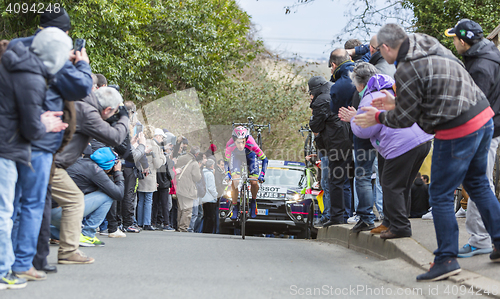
24	73
71	83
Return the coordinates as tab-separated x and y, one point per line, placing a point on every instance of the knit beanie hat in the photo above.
104	157
59	19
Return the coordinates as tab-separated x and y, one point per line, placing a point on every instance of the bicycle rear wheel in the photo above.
243	204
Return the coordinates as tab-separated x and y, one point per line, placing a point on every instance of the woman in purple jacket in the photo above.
401	152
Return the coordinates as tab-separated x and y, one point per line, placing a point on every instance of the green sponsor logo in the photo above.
462	32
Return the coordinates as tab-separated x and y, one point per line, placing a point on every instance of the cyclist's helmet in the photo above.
240	132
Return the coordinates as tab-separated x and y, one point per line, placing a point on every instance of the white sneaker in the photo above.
461	213
353	220
428	216
117	234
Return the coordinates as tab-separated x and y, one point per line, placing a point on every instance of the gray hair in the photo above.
108	97
210	163
392	35
362	72
338	56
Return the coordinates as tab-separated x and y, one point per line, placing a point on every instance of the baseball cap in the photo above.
465	29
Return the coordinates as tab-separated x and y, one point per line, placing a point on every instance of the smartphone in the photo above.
138	129
79	44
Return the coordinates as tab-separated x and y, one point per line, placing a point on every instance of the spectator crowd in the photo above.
79	164
385	106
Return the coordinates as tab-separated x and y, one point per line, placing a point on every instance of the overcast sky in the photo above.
308	31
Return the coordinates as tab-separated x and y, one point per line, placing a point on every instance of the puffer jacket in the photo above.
482	61
433	88
91	125
22	90
389	142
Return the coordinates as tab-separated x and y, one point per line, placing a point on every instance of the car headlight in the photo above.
293	197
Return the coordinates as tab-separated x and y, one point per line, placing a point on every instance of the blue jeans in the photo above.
144	208
377	190
363	183
97	205
198	225
324	185
31	189
194	215
8	188
456	161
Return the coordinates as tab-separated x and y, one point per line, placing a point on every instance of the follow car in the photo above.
286	203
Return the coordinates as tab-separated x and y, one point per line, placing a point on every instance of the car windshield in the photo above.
284	177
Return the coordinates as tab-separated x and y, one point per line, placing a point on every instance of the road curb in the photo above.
405	248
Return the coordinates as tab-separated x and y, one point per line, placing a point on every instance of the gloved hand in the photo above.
261	177
122	111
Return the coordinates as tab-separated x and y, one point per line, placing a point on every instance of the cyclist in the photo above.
241	146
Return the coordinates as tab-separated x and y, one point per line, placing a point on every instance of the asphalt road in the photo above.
187	265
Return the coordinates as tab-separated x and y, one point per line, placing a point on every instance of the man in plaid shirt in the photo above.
435	91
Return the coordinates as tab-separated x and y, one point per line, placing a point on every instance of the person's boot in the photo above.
253	208
236	210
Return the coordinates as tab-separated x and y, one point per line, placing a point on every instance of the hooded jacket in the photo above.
333	133
389	142
343	89
91	125
71	83
433	88
23	84
482	61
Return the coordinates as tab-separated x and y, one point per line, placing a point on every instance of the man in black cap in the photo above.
335	136
59	19
482	61
72	83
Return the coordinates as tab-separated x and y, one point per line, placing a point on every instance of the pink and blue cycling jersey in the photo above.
250	147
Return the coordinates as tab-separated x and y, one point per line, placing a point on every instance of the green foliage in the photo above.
271	91
433	17
153	48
